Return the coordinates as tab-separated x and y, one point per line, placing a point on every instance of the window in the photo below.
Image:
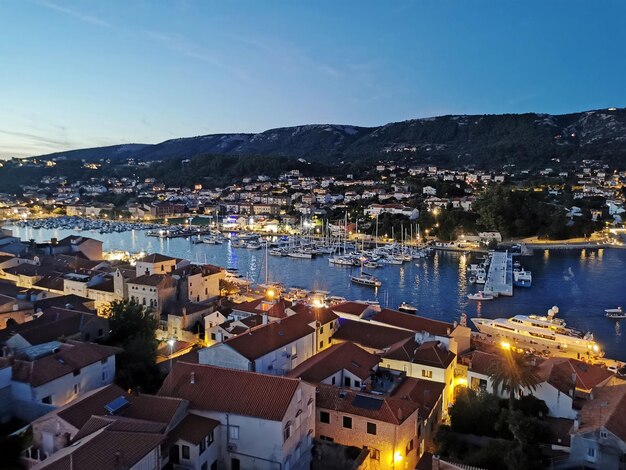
104	361
76	372
100	332
347	422
333	381
105	375
214	465
374	454
299	395
310	406
347	381
328	340
357	383
324	417
202	446
603	434
204	466
287	431
47	400
371	428
213	336
185	452
326	438
298	418
209	439
233	432
409	447
427	374
75	389
321	344
591	454
322	329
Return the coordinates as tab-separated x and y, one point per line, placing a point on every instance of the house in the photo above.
155	291
386	426
353	310
598	436
343	364
157	263
53	374
198	283
90	248
266	422
454	336
58	428
371	337
270	348
377	209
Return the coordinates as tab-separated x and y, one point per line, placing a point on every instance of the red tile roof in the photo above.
152	280
338	357
72	356
264	339
480	361
424	393
193	429
607	410
351	308
155	258
430	353
369	335
559	372
413	322
323	315
230	391
389	410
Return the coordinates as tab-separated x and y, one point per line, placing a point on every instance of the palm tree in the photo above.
512	374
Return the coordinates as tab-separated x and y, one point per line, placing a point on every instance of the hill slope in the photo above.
480	140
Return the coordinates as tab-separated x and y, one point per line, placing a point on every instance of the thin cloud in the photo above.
76	14
37	138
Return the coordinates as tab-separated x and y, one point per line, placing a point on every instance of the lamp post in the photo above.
171	343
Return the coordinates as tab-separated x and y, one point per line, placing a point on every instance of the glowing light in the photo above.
171	342
505	345
397	457
270	293
461	381
317	303
596	348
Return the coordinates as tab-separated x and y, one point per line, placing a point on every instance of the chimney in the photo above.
435	462
400	414
193	378
576	422
265	318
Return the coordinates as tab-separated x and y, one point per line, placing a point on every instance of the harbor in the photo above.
582	283
500	275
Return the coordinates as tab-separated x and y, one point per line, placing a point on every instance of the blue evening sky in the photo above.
77	74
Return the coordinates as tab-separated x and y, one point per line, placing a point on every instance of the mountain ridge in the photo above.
449	140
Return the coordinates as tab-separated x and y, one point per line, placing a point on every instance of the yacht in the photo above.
522	278
407	308
366	279
480	295
299	254
615	313
547	332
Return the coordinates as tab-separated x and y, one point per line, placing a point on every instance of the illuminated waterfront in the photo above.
581	282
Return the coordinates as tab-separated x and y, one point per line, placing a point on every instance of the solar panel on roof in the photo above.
368	403
117	405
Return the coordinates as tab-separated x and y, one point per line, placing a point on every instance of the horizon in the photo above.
93	75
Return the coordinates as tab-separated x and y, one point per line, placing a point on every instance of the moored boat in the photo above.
407	308
366	279
615	313
480	295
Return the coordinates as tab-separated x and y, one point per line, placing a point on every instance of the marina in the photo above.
500	275
583	283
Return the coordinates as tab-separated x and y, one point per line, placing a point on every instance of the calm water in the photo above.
582	283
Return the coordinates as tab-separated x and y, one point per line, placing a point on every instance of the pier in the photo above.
500	276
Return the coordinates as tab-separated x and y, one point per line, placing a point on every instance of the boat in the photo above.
407	308
299	254
277	252
341	260
522	278
371	265
480	295
254	245
546	331
615	313
366	279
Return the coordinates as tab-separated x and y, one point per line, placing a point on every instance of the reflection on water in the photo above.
582	285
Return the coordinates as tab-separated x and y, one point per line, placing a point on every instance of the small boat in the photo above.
299	254
372	265
614	313
480	295
407	308
366	279
277	252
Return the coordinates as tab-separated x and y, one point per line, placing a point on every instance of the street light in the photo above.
171	343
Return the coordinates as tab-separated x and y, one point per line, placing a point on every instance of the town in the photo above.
163	363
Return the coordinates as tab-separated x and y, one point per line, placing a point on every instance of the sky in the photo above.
76	74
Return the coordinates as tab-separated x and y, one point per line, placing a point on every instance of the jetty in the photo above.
500	276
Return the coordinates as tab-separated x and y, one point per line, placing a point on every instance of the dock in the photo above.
500	276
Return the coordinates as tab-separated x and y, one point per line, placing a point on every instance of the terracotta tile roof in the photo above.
323	315
559	372
351	308
338	357
152	280
105	449
193	429
230	391
480	361
78	412
264	339
607	409
52	281
376	407
117	423
72	356
105	286
76	240
76	302
429	353
413	322
369	335
53	324
155	258
424	393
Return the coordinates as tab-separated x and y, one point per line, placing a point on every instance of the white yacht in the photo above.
546	332
366	279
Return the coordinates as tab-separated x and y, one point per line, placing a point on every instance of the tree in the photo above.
133	328
512	374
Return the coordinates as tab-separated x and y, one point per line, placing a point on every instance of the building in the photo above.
266	422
